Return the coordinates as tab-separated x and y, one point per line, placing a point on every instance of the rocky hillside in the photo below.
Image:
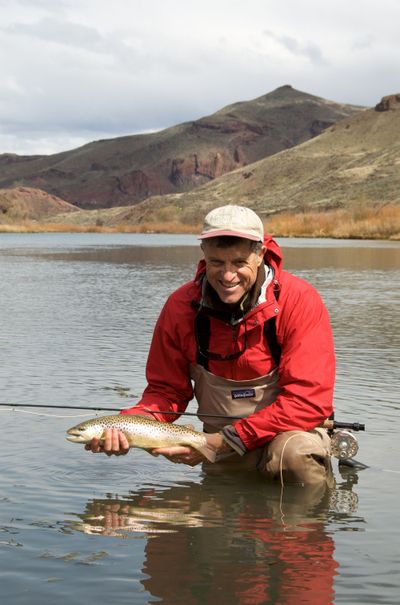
27	204
356	161
127	170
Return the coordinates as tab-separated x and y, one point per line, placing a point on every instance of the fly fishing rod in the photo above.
327	424
344	444
106	409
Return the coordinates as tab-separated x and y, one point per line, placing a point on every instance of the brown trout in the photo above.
142	432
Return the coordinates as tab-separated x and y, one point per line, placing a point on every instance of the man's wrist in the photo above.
233	440
225	447
217	441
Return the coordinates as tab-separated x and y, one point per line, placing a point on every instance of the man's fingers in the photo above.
124	443
94	446
108	439
113	443
179	454
171	452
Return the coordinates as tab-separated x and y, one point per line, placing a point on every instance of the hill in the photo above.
26	204
343	183
356	161
127	170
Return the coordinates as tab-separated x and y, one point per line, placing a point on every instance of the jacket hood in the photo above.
272	257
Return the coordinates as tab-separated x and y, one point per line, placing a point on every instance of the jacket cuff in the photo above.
231	437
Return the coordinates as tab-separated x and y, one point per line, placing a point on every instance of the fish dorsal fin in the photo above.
189	426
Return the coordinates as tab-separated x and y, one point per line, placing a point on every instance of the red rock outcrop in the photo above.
388	102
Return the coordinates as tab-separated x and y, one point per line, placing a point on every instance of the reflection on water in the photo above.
151	510
353	258
195	531
77	314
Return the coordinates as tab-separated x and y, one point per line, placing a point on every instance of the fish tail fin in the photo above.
208	451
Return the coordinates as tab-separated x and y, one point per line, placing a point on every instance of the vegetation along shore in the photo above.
359	222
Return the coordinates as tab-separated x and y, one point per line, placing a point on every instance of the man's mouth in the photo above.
229	286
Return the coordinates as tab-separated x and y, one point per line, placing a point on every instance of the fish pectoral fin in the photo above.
102	436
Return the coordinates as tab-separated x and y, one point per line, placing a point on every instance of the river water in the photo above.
77	313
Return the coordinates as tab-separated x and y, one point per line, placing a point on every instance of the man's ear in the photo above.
261	255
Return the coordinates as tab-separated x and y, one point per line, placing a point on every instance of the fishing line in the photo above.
60	407
313	438
12	409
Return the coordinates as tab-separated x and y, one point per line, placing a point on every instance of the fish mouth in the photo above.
75	437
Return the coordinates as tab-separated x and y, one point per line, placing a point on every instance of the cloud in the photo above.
298	48
58	32
77	70
364	42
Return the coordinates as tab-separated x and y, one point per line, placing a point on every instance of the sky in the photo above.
75	71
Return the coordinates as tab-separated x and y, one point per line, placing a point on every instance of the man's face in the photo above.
231	271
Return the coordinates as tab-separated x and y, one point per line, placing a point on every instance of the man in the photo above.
254	345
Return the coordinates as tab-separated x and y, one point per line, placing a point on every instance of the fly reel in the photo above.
344	445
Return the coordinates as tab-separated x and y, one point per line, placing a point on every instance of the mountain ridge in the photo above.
126	170
356	161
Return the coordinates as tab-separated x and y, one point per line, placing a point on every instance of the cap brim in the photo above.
218	233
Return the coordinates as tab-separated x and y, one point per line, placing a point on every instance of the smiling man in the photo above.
232	271
253	344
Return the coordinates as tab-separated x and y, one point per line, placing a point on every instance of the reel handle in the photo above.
351	426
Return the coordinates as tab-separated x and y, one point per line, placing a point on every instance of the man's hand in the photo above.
114	443
188	455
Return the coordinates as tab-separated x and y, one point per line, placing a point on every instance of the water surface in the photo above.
77	313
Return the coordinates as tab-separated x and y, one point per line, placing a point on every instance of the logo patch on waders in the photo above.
243	393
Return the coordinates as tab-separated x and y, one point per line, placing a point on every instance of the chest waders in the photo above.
218	395
296	457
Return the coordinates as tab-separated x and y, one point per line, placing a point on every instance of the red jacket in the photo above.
306	369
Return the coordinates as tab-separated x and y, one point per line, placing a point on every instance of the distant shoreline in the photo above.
380	222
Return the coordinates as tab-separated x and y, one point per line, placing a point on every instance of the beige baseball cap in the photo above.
233	220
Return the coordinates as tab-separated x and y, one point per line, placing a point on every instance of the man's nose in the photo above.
229	272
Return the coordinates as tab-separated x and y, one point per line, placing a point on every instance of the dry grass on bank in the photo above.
358	222
34	227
